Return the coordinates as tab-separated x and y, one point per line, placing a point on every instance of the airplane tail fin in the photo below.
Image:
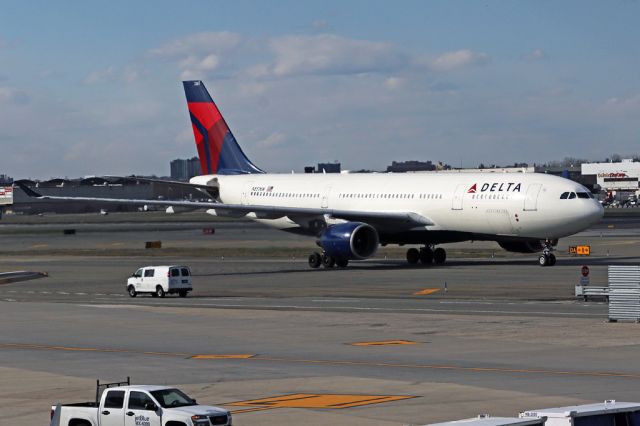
218	149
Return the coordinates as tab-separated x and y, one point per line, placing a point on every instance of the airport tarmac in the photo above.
278	343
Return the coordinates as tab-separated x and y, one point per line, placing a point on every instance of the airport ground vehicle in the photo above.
160	280
122	404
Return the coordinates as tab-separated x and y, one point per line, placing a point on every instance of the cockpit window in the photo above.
572	195
564	196
583	195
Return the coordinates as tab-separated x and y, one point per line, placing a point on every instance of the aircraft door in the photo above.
325	197
531	198
458	195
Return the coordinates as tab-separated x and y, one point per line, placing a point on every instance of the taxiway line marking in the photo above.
256	358
456	367
224	356
384	343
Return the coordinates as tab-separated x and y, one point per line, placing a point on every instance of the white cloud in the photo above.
623	104
12	96
449	61
199	54
100	76
198	44
332	54
393	83
128	74
273	140
535	55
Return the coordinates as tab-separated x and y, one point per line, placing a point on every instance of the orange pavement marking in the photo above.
426	291
309	400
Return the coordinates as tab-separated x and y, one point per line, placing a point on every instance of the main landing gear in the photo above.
547	258
426	255
316	259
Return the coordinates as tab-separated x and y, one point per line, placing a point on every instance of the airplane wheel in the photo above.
413	255
552	259
439	255
315	260
426	255
328	261
342	263
543	260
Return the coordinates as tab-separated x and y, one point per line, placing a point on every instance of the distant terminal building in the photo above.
334	167
411	166
6	192
97	187
183	170
621	176
329	167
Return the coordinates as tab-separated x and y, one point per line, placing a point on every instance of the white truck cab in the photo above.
141	406
160	280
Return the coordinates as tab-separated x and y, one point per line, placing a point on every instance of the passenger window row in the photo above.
394	196
284	195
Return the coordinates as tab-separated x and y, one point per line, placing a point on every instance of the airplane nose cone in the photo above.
596	213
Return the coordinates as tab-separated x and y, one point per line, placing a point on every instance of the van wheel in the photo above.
132	291
159	291
183	293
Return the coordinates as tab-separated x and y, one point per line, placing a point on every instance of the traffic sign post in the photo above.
584	279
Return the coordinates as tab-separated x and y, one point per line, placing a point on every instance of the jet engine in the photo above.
527	246
350	240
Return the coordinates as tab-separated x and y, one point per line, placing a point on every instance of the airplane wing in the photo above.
403	219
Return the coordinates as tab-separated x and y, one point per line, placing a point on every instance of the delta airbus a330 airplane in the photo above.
351	215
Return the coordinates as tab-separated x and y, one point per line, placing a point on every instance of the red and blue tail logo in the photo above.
218	149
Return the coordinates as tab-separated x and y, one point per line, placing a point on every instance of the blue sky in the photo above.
94	87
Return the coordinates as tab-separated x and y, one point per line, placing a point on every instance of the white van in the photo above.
160	280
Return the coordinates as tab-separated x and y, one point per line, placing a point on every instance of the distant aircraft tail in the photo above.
218	149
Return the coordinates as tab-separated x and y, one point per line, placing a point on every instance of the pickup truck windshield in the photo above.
172	398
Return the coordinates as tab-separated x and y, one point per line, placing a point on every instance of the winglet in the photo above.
30	192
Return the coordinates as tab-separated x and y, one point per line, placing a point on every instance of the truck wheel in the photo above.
132	291
79	422
160	291
182	293
174	423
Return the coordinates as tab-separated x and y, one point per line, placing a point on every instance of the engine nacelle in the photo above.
529	246
350	240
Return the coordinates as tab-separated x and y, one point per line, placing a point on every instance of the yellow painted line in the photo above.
229	356
426	291
339	362
385	343
249	410
81	349
456	368
310	400
611	226
35	246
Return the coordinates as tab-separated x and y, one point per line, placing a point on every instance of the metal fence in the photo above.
624	293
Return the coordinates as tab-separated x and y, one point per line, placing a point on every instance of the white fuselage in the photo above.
511	205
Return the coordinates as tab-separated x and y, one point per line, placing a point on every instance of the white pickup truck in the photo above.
139	406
